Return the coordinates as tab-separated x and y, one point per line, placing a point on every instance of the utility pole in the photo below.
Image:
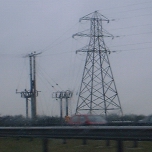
63	95
33	84
58	95
98	93
33	93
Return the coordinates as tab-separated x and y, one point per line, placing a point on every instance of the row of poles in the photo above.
30	95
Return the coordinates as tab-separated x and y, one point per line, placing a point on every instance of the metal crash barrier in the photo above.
118	133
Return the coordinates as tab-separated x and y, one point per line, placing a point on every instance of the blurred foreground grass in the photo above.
72	145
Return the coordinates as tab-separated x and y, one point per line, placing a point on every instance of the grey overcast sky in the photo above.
47	26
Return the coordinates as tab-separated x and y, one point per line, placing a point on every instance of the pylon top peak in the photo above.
93	16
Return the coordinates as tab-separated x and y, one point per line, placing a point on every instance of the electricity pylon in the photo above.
98	93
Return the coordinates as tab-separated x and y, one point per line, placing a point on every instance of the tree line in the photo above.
19	120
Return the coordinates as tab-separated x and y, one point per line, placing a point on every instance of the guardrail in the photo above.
119	133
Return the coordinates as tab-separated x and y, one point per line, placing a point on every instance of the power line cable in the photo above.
66	52
50	78
42	78
127	5
51	45
131	44
133	10
131	50
21	74
47	81
133	34
124	18
130	27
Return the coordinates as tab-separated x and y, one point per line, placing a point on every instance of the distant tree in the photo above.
113	117
128	117
20	120
139	117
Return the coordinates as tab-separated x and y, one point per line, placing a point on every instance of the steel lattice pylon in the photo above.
98	93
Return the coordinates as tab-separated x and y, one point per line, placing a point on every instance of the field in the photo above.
56	145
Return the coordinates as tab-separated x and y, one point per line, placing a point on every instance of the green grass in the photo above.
56	145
